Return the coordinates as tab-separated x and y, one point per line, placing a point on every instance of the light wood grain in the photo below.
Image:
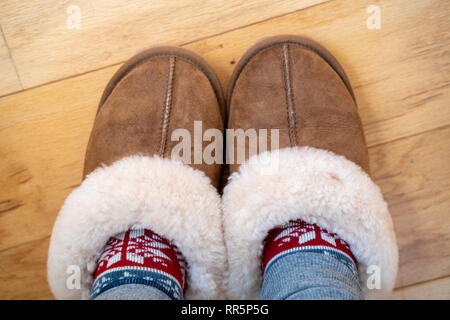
45	49
9	81
400	75
43	135
401	168
45	130
414	176
23	272
431	290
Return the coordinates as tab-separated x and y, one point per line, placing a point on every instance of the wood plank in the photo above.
438	289
9	81
23	272
414	176
47	105
44	131
399	73
43	136
45	49
418	218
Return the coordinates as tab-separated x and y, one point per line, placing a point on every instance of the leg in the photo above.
144	194
133	292
139	264
316	170
303	262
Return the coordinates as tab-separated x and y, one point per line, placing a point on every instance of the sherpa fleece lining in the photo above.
172	199
318	187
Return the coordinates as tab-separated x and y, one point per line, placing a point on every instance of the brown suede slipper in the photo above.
303	41
144	84
135	176
317	170
302	90
165	51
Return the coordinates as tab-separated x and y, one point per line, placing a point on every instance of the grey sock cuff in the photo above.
308	275
133	292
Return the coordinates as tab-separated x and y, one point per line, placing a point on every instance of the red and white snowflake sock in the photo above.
140	257
299	236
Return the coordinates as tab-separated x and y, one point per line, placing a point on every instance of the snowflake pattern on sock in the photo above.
298	236
140	257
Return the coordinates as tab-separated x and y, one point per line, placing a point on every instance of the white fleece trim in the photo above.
172	199
319	187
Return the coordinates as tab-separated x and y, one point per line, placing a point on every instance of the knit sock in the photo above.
299	236
140	257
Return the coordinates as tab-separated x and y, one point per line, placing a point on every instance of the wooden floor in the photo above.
52	77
